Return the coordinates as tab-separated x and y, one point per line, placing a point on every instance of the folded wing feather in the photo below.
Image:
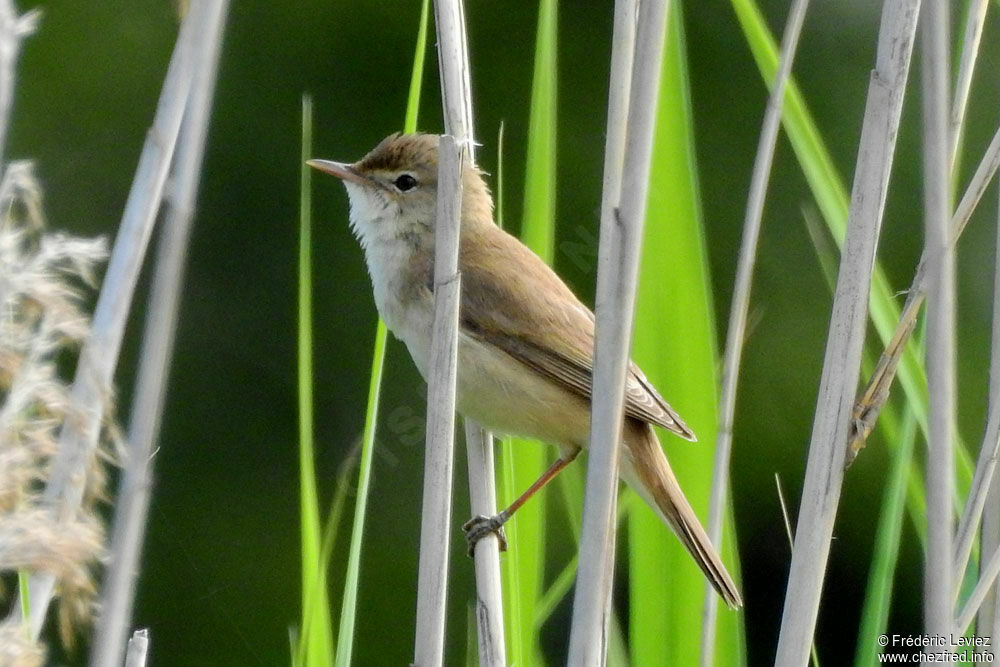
548	329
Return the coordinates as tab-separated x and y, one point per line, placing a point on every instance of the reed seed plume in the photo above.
17	649
43	278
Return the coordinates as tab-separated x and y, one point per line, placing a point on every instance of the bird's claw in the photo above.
480	526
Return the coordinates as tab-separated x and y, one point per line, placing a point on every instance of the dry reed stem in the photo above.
988	622
489	597
939	476
619	94
455	148
435	518
453	65
456	91
13	29
987	578
875	394
617	276
970	52
132	505
138	649
92	385
736	331
989	450
841	366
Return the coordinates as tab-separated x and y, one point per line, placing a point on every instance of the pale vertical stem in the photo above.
975	189
990	625
618	268
99	356
970	51
938	599
989	613
453	64
138	648
619	87
455	148
736	331
435	516
489	598
13	29
619	91
466	90
841	366
989	542
132	504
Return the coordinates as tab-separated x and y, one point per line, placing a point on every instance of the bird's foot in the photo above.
480	526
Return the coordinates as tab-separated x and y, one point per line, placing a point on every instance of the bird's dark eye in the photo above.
405	182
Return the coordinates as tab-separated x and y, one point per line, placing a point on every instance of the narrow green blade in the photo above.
316	640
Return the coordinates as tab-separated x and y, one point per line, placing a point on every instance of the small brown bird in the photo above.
526	343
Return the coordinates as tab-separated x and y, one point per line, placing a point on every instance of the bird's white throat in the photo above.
406	310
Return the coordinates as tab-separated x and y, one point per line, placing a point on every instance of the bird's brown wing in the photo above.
532	315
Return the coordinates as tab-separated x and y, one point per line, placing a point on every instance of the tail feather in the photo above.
645	468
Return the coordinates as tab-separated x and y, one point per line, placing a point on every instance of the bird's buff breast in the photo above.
506	396
492	387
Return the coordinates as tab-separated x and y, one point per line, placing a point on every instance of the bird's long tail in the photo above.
645	468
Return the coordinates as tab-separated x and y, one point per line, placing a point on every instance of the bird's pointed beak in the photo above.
344	172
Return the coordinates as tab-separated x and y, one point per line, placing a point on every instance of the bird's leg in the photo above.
480	526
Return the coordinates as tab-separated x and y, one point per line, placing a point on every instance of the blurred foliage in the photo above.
220	579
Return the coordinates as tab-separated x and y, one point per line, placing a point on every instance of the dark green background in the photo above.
220	578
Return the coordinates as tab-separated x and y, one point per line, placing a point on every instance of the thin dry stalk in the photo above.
453	64
938	599
455	148
489	597
132	504
989	541
13	29
99	357
988	622
876	392
619	94
976	189
970	51
456	92
617	274
989	450
987	577
736	332
435	524
841	366
138	649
